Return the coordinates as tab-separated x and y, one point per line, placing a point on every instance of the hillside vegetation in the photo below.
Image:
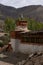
34	25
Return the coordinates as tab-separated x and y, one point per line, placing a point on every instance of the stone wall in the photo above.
25	48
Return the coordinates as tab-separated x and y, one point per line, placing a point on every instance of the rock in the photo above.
3	56
39	53
23	61
31	55
19	63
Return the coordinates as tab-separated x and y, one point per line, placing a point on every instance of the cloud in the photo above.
21	3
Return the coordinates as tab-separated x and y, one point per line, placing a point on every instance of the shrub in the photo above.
1	44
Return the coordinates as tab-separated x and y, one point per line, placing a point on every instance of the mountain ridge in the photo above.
32	11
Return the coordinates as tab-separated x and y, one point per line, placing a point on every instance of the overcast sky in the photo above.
21	3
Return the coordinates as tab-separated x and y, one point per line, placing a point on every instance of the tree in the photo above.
29	26
34	25
9	25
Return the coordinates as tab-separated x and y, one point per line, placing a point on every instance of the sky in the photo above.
21	3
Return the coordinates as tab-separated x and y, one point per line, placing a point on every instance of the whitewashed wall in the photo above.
25	48
15	44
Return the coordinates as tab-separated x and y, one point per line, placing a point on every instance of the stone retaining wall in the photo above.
25	48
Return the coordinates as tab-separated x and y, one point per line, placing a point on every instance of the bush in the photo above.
6	39
1	44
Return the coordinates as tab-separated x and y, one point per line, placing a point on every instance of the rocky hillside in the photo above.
33	11
6	11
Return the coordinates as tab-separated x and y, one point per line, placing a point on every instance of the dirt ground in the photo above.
5	63
12	58
15	58
38	60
